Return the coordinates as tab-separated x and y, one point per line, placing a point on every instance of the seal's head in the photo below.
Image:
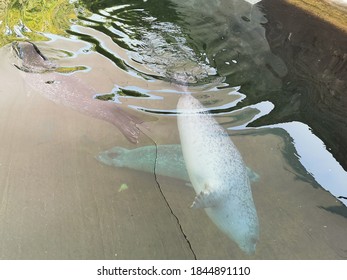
30	59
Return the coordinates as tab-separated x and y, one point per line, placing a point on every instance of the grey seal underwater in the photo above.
168	160
40	73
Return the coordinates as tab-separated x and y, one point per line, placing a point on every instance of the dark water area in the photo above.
314	90
270	75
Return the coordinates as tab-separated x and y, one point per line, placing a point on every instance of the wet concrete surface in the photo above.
58	202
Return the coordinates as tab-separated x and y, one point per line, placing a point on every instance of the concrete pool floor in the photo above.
58	202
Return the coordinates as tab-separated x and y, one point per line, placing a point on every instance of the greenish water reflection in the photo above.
30	19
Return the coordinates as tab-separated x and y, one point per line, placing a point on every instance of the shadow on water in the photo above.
338	210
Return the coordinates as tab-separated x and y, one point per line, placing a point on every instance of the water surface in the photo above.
277	88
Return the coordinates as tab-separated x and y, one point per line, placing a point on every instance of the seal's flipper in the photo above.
253	176
112	156
206	199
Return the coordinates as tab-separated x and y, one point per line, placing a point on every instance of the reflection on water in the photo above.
68	91
235	42
30	59
312	154
32	18
316	159
314	89
170	56
276	86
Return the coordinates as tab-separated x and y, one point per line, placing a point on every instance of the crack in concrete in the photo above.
167	203
162	194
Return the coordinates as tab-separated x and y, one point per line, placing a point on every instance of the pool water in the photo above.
74	186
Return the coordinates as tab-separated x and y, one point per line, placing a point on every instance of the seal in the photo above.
39	74
217	173
168	159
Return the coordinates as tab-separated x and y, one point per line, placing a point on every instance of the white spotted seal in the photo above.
217	173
